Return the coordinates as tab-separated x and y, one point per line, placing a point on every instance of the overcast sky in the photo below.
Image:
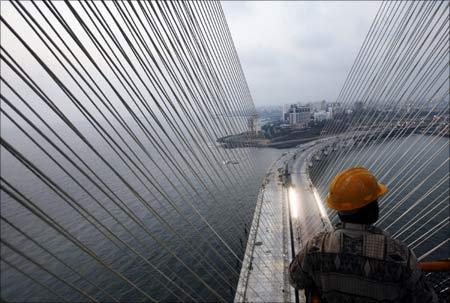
297	51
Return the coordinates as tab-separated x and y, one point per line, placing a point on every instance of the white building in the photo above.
321	116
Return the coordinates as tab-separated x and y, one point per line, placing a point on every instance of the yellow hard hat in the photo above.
354	188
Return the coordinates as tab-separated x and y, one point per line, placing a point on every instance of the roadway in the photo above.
308	214
288	213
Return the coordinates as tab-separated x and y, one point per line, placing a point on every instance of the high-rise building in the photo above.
254	124
285	112
299	115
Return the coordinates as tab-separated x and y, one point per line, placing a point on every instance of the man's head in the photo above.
365	215
354	194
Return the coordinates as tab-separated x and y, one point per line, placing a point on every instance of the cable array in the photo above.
398	90
113	184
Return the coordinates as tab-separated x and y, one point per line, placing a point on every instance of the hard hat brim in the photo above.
382	189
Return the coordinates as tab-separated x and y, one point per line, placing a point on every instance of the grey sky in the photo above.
299	51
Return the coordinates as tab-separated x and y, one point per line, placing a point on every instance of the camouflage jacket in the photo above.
359	263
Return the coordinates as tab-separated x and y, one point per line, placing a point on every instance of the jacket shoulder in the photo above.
323	242
397	251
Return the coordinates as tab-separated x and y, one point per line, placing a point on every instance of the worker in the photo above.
358	262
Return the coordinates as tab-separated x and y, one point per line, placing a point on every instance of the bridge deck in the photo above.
264	274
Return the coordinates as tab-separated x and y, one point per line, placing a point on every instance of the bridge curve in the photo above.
288	213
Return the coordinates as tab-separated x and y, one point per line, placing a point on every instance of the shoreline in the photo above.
248	140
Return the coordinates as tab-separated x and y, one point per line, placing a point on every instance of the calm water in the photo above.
229	209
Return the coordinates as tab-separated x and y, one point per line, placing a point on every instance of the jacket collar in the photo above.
358	227
354	226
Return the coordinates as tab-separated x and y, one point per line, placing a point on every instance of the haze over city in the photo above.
297	51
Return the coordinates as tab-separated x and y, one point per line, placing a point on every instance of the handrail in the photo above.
437	265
